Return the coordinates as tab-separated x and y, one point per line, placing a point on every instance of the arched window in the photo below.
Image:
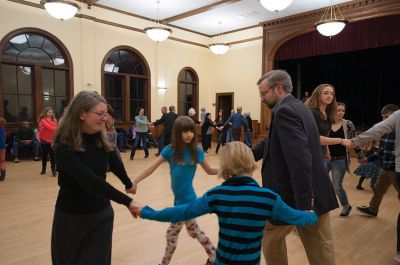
35	73
126	82
188	92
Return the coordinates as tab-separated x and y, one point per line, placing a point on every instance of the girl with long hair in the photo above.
47	129
323	106
183	155
340	156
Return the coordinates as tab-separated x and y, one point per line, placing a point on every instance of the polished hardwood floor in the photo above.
27	202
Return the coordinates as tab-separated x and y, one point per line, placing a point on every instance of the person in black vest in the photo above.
293	167
168	121
160	144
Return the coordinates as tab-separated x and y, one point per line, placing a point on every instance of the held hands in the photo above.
132	189
135	209
347	143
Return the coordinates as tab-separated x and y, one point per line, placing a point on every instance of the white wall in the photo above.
238	71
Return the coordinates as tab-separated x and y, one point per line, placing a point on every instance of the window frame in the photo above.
127	116
196	84
37	86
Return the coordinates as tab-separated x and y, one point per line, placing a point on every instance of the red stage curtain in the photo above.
373	33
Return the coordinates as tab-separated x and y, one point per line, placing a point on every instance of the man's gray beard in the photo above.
270	105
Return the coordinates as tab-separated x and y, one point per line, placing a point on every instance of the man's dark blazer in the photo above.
167	120
292	164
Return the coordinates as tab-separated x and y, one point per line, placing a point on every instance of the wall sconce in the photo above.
161	86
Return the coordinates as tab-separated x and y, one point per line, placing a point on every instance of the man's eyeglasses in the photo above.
100	114
263	93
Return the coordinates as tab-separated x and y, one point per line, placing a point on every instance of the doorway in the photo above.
225	102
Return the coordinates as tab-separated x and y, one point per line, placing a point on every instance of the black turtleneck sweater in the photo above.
82	178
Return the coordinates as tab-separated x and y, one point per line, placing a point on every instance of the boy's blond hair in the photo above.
236	159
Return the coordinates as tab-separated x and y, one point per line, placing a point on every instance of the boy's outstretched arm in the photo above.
287	214
177	213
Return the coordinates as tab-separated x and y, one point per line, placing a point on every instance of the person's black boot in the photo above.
2	175
132	155
53	172
360	182
43	171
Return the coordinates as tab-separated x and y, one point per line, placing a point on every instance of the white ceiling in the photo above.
208	22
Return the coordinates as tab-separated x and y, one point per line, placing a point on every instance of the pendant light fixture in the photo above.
158	32
332	21
219	48
275	5
60	9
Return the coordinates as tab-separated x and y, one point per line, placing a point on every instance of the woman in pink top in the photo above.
47	129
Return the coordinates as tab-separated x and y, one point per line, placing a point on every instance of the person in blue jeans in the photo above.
339	156
142	125
242	207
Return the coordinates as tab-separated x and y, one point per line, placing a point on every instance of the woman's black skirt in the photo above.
82	239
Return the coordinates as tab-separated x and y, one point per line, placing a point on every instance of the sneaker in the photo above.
16	160
36	158
346	211
359	187
367	211
397	257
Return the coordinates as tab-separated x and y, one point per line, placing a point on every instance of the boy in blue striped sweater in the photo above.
242	207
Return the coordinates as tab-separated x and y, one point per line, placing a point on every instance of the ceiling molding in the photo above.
27	3
236	30
123	12
189	30
148	19
106	22
245	40
200	10
113	24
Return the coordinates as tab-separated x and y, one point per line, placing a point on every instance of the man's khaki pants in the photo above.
317	241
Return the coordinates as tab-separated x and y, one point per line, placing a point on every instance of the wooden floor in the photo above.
27	202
